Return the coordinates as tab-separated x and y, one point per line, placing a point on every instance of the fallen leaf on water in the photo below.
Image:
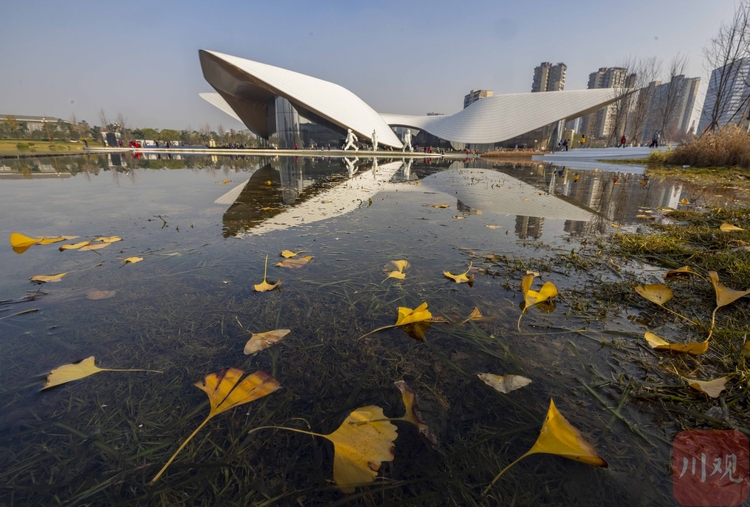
684	201
47	278
415	322
656	293
727	227
224	393
288	254
532	297
76	371
395	269
504	383
109	239
18	240
682	273
73	246
409	316
440	205
492	226
713	388
294	263
360	444
459	217
100	294
725	295
412	414
692	348
460	278
97	246
264	286
560	438
260	341
20	243
476	316
225	182
131	260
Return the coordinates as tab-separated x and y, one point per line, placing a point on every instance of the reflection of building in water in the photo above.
292	182
529	227
290	127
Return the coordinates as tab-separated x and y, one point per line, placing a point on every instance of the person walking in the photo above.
623	141
583	141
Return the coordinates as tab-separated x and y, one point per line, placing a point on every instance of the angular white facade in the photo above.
247	90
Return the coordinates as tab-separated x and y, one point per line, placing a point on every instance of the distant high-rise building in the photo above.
599	124
681	93
733	81
475	95
549	78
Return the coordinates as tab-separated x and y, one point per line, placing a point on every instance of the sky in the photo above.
140	58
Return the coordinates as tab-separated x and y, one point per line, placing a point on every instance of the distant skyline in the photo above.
141	58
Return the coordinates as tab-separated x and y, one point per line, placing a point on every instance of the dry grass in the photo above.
730	147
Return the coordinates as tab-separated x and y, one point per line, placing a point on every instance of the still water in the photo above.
204	226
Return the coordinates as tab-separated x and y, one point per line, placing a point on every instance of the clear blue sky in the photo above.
141	58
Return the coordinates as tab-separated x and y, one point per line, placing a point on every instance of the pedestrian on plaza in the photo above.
565	145
583	141
623	141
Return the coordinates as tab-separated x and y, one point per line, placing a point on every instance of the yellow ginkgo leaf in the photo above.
713	388
362	442
74	246
294	263
460	278
560	438
409	316
440	205
19	240
20	243
95	246
683	273
458	217
399	266
76	371
260	341
47	278
414	322
532	297
412	414
725	295
504	383
224	393
476	316
398	275
264	286
692	348
395	269
108	239
288	254
684	201
727	227
132	260
492	226
656	293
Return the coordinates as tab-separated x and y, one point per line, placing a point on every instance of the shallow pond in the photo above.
204	226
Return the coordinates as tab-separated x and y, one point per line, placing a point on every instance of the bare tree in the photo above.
618	112
724	60
646	72
205	131
220	130
103	119
671	94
